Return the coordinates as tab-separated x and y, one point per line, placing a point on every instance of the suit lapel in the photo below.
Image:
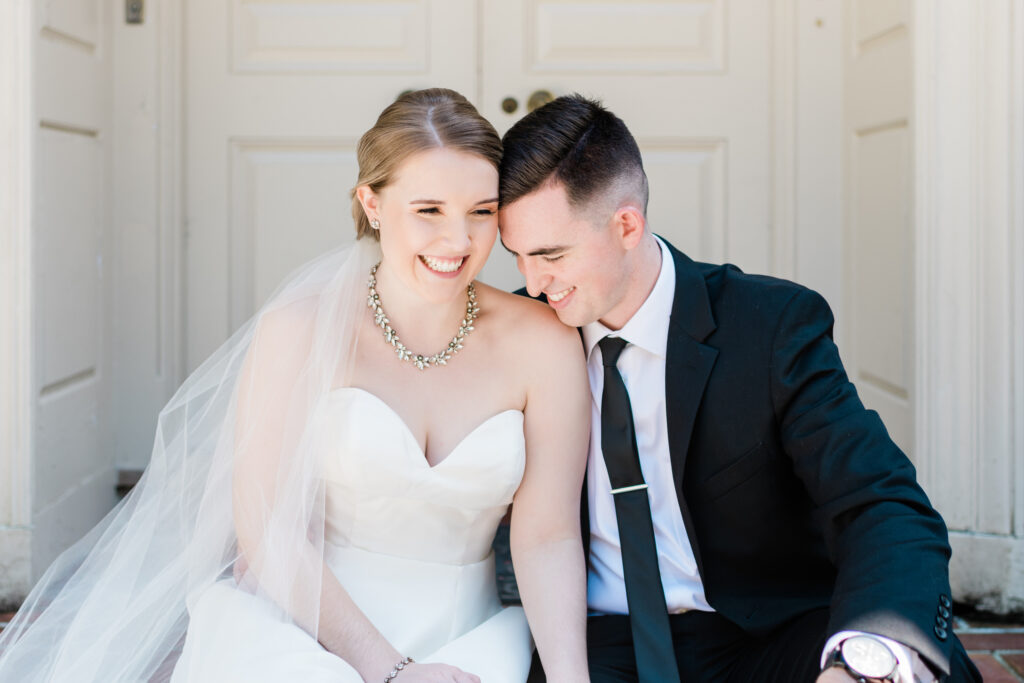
688	366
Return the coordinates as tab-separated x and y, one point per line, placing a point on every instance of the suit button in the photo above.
944	613
945	601
941	632
941	623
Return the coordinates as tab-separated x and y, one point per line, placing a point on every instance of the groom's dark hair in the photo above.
574	141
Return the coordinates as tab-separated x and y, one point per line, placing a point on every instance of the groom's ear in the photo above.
629	222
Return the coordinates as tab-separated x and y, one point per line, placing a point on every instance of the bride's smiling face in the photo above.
438	221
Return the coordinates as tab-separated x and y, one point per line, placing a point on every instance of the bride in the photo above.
323	491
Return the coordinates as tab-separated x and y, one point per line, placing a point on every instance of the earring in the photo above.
375	224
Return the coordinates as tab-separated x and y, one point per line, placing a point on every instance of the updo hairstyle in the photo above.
418	121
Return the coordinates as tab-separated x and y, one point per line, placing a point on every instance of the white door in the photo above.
278	93
73	469
879	227
692	81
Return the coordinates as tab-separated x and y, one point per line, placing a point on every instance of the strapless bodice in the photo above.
410	544
383	496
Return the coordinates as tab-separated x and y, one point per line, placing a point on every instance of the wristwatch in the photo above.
866	658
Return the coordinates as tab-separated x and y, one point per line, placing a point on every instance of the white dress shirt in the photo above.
642	367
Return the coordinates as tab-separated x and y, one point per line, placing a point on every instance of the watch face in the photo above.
868	657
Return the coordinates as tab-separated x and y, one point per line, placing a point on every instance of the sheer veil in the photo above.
234	473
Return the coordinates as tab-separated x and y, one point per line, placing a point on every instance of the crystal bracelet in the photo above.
398	668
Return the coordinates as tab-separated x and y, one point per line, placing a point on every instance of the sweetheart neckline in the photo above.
412	437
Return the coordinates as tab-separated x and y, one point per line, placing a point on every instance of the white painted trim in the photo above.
945	247
784	139
171	94
819	141
807	138
968	254
993	131
17	133
1016	180
986	571
923	41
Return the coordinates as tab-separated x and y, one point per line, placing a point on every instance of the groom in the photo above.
745	517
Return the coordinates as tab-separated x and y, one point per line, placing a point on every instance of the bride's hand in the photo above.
435	673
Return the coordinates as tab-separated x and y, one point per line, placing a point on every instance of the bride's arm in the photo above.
547	549
277	500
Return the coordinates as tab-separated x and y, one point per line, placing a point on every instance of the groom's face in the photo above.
573	258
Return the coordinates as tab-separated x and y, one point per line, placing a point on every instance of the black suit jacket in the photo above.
793	495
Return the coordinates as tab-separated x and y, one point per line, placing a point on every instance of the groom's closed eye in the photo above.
549	253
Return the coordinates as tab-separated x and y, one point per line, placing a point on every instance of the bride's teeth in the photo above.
561	295
442	265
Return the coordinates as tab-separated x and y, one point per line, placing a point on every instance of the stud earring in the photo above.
375	224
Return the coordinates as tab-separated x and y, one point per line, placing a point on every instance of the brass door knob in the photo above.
538	99
509	105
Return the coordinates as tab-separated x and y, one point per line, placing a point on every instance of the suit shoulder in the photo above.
759	305
727	283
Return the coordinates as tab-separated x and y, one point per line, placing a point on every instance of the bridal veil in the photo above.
234	472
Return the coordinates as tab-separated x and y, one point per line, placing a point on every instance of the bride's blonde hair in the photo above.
415	122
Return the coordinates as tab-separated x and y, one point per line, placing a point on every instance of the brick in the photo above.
992	671
993	641
1016	662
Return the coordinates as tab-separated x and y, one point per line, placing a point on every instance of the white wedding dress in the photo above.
409	542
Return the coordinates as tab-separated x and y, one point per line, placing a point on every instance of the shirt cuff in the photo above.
909	667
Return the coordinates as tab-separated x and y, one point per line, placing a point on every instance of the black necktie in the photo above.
648	614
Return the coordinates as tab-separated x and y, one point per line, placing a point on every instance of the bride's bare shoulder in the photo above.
529	324
291	323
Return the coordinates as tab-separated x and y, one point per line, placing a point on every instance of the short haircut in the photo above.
576	142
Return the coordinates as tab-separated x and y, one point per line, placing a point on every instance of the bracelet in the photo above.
398	667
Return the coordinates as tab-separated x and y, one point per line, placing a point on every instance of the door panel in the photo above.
278	94
280	91
73	470
691	80
318	37
878	235
287	205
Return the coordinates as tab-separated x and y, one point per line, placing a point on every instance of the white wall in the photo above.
15	305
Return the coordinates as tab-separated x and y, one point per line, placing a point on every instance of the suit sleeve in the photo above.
889	546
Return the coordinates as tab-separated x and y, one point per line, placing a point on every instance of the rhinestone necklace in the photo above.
391	336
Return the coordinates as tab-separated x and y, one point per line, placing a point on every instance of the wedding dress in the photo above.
410	543
263	469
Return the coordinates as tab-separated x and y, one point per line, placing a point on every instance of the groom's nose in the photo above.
536	280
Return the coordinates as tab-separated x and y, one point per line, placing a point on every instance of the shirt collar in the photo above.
648	328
